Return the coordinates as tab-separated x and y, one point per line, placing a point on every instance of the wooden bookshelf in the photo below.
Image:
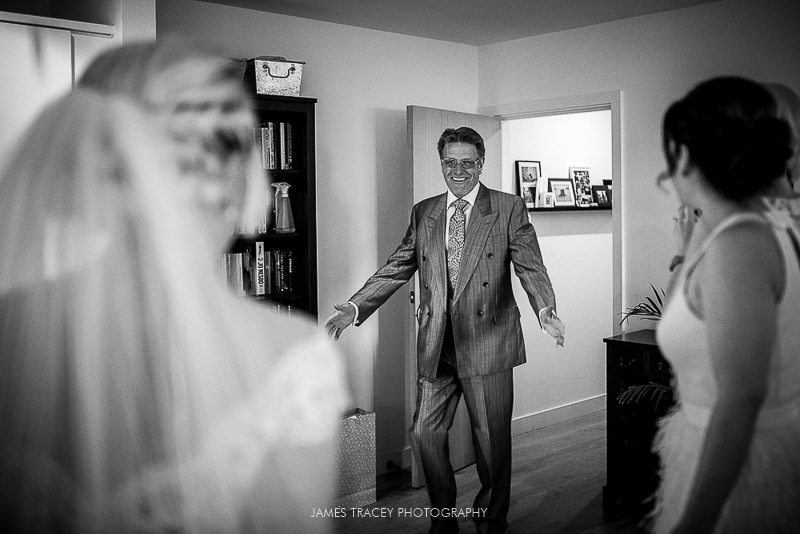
298	114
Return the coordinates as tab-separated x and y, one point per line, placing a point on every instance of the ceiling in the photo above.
474	22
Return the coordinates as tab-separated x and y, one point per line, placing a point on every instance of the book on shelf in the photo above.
263	220
283	272
265	138
282	308
247	273
277	272
259	146
289	162
289	277
282	144
268	272
259	271
275	142
234	270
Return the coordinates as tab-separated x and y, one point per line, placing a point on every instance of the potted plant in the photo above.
660	396
649	309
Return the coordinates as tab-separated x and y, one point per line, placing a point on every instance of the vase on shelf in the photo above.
284	220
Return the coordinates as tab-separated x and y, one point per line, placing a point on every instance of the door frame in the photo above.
608	100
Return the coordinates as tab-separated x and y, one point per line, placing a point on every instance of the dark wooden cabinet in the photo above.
293	122
638	393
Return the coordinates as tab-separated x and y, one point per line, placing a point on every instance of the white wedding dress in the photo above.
137	394
766	496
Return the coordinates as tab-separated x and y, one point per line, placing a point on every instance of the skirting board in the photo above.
551	416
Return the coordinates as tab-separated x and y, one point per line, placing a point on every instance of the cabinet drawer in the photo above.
660	370
629	360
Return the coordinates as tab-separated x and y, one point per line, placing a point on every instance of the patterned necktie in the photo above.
455	242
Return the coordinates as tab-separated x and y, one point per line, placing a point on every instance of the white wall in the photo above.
653	60
364	80
577	250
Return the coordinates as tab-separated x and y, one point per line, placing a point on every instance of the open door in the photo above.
424	126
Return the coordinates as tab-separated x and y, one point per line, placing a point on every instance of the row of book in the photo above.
260	272
275	141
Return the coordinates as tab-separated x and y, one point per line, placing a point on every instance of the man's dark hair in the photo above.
464	134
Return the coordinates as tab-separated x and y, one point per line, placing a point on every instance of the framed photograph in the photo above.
601	195
529	194
529	174
607	183
548	200
542	188
583	185
563	192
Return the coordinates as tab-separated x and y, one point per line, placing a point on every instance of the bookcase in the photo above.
286	135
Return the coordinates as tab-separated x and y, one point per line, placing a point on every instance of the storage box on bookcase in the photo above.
357	472
275	75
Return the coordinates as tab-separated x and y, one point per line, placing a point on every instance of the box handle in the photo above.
288	72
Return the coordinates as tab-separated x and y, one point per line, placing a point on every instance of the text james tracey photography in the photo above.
386	511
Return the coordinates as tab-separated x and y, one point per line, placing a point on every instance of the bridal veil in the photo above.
137	394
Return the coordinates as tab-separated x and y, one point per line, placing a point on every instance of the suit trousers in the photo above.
490	400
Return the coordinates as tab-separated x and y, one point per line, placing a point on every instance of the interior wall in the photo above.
135	19
364	79
653	60
577	250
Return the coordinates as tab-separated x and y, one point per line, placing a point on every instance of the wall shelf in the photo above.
570	208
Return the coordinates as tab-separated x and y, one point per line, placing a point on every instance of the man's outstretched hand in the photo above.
343	317
553	326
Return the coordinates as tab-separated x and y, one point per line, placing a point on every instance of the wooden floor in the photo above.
556	487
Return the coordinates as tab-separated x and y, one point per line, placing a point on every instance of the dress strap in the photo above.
728	222
784	214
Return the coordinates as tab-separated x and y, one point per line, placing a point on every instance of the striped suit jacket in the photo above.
484	313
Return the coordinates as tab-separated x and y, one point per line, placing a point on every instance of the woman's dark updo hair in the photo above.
728	125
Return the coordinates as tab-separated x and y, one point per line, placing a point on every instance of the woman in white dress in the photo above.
137	394
730	450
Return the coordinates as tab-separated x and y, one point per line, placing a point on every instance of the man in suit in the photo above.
463	244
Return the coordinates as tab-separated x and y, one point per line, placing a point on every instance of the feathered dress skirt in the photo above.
765	497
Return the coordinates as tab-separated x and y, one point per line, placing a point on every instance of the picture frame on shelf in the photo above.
608	184
542	189
529	173
548	200
602	196
563	190
583	186
528	193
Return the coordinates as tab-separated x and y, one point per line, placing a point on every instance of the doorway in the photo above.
581	250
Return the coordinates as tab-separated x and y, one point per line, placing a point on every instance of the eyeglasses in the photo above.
451	163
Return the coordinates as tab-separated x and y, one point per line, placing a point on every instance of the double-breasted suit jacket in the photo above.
484	314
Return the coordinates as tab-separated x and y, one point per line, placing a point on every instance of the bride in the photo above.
136	393
729	452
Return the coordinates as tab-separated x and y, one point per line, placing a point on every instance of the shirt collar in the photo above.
469	197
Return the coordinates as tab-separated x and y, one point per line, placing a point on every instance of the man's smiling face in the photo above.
460	180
